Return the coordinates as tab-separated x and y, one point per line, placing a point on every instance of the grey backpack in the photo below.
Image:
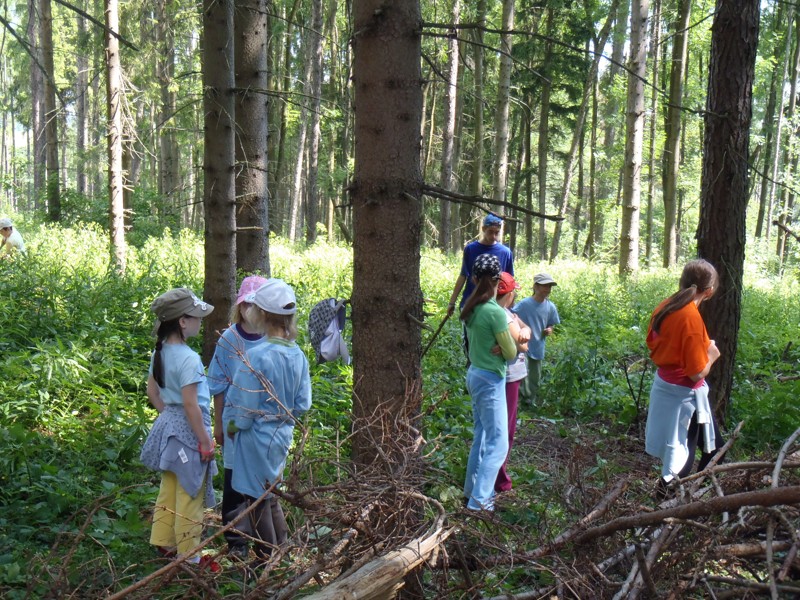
325	325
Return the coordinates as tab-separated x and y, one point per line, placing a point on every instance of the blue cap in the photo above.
492	220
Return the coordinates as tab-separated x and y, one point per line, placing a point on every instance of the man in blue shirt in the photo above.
487	243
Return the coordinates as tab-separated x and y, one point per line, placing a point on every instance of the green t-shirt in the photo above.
487	327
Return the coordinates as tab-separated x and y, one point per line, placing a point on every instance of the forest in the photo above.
352	149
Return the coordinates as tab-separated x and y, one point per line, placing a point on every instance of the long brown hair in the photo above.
484	291
698	276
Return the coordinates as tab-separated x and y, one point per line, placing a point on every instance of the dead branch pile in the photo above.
730	531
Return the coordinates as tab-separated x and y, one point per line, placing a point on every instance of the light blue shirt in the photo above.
182	367
227	361
263	403
538	316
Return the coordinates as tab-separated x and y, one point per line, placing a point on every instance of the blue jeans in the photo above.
490	441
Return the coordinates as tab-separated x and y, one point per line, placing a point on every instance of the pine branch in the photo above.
479	201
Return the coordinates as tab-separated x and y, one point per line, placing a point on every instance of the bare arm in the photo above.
154	395
195	418
454	296
219	405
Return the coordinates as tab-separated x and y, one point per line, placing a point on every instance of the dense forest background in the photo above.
535	118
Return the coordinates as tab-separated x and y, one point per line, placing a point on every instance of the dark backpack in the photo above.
325	325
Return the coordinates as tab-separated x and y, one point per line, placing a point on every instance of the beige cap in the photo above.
179	302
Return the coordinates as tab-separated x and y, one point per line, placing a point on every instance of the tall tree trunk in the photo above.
787	198
447	180
651	161
589	245
314	101
723	200
168	160
114	99
577	134
769	129
500	171
219	190
476	178
81	105
544	134
634	134
50	114
672	158
252	113
37	103
386	192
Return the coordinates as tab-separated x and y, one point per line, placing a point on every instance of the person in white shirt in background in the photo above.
12	239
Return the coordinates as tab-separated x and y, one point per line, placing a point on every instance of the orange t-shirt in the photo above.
680	348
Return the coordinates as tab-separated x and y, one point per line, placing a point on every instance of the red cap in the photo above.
507	284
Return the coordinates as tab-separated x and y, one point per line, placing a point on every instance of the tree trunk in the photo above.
81	105
476	179
723	201
781	49
634	134
577	134
252	112
386	192
672	158
447	180
114	104
219	189
314	101
651	161
168	160
544	135
37	103
500	171
50	114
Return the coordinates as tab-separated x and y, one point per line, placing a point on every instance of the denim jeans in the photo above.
490	441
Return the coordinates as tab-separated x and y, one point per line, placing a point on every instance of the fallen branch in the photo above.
771	497
382	577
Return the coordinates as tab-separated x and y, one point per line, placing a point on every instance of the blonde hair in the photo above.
237	313
264	321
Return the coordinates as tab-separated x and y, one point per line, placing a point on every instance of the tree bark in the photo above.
114	105
447	180
500	172
252	119
218	166
672	157
50	114
544	135
386	196
314	101
634	137
723	201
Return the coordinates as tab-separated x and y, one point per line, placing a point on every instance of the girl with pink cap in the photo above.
232	345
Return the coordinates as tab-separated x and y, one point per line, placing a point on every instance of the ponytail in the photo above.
484	291
165	329
698	276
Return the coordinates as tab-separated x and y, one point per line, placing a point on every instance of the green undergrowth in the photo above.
76	342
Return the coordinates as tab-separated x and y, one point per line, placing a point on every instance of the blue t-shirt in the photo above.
538	316
472	251
182	367
261	402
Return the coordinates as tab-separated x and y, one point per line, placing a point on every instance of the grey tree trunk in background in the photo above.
114	112
501	122
634	137
50	114
447	179
314	100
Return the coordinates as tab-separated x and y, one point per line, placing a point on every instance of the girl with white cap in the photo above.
265	401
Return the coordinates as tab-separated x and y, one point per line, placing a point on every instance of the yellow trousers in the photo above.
177	518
